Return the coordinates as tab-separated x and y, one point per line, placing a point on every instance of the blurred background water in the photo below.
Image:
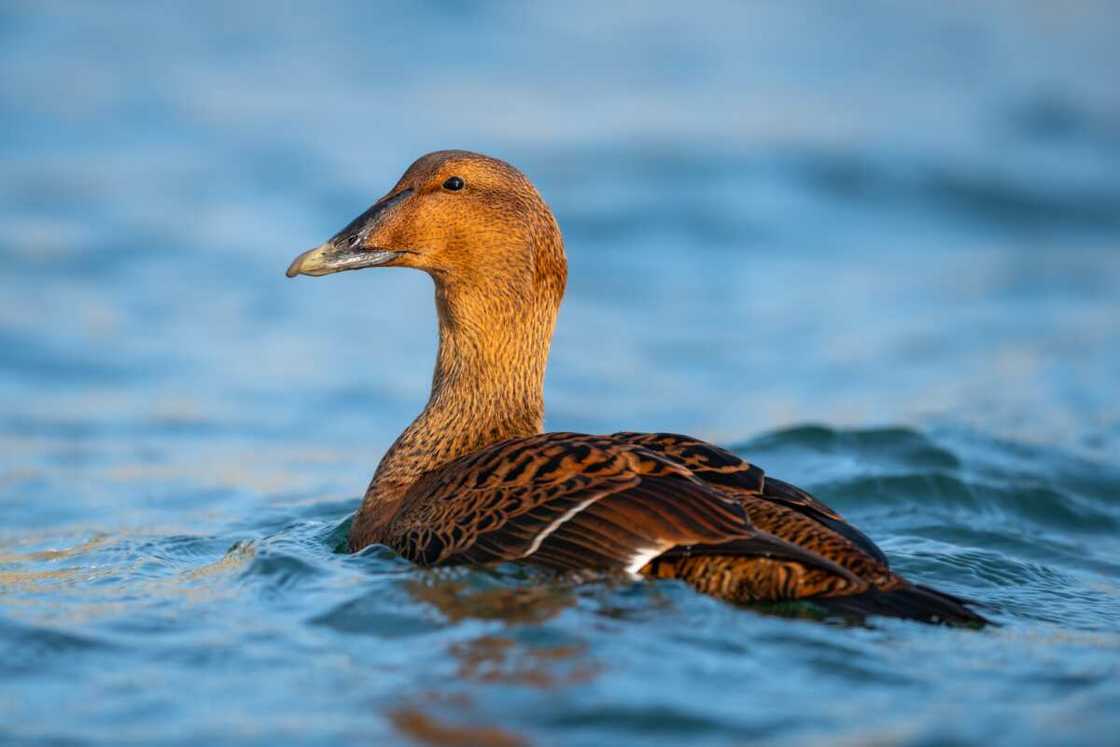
874	247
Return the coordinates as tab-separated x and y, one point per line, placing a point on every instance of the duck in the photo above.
475	479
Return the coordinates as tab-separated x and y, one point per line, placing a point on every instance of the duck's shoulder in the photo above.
721	467
544	459
707	461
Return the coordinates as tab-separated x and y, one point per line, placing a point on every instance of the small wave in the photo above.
385	611
1054	117
966	191
992	479
903	446
30	648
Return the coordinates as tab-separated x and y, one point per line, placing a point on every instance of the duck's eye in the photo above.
454	183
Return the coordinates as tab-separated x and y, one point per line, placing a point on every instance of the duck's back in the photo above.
661	505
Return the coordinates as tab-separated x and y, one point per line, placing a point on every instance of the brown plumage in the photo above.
474	480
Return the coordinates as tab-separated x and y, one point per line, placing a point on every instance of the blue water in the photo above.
874	248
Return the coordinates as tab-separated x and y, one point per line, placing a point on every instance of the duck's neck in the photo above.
488	386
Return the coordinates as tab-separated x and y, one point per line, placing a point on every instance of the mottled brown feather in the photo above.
729	471
539	496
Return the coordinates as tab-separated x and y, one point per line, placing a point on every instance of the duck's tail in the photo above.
911	602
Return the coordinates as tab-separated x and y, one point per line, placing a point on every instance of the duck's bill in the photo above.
355	246
328	258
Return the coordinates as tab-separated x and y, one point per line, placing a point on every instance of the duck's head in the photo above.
465	218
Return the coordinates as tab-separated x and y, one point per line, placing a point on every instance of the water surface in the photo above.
876	251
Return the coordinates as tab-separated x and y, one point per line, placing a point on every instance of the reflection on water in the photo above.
492	659
876	251
458	599
427	730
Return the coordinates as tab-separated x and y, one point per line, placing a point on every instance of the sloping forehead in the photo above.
448	162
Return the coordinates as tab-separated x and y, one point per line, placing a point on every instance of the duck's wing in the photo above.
723	468
572	501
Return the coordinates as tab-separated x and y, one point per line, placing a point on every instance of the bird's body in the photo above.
474	479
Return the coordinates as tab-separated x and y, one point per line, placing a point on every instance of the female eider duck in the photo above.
474	479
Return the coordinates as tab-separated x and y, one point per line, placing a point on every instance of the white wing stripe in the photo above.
556	524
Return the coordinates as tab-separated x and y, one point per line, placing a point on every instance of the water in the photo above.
875	250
